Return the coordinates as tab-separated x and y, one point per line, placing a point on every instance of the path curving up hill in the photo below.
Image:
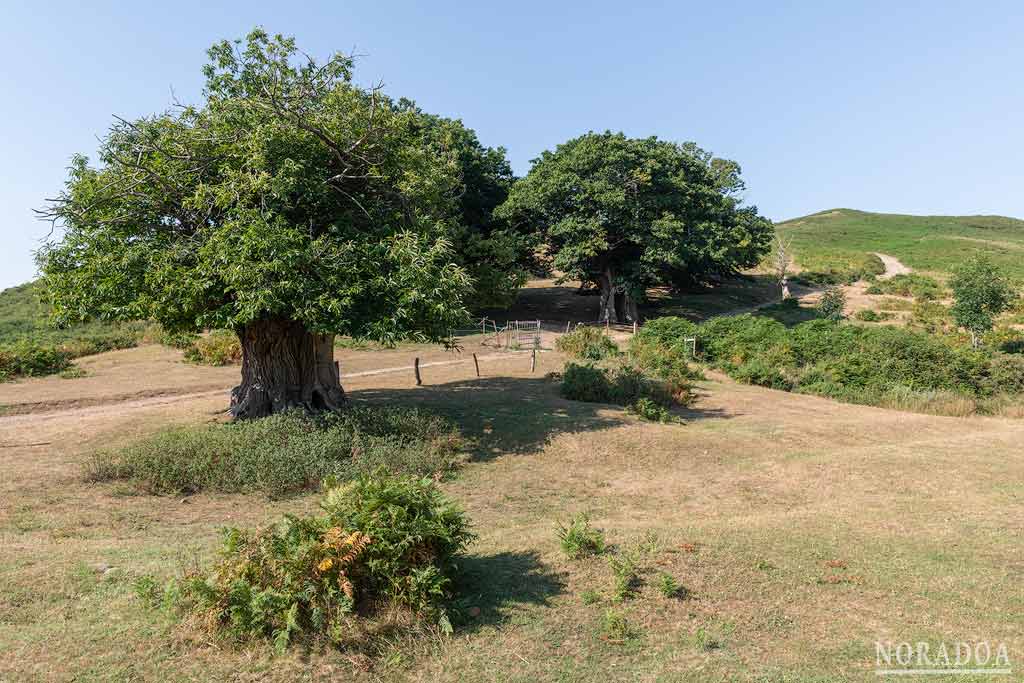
893	267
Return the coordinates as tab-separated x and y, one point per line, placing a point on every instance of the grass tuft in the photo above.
284	454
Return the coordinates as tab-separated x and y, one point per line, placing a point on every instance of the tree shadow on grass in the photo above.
489	587
511	415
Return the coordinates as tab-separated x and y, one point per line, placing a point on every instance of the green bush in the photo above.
646	409
660	349
26	359
832	305
587	343
219	347
578	539
284	454
921	287
380	541
1005	339
852	269
668	586
859	364
622	384
29	358
870	316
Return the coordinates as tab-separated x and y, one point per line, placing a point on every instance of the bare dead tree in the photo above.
783	260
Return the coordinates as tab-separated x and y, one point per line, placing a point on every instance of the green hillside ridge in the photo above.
24	317
840	239
31	346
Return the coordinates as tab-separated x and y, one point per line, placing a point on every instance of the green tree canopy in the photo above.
290	206
629	214
980	293
498	258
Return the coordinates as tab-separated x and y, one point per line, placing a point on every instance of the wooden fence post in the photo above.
416	369
533	360
477	364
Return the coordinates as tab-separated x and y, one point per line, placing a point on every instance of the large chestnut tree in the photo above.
628	214
290	206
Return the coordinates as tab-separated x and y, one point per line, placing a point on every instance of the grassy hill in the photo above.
30	346
24	317
840	239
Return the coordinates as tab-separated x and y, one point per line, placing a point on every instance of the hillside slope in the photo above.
23	316
836	238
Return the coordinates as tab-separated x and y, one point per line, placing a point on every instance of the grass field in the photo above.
800	529
841	237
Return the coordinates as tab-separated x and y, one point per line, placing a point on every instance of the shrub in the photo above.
285	453
647	409
921	287
578	539
379	541
625	577
219	347
874	365
668	586
587	343
156	334
615	628
664	355
832	305
1005	339
870	316
622	384
27	359
931	317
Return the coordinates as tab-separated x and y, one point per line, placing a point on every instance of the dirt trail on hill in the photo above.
893	267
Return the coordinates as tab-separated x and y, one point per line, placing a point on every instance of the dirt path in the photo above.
31	412
893	267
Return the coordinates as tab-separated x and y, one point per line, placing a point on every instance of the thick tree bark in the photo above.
630	309
285	367
606	281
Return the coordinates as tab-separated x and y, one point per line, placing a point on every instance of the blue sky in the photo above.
897	106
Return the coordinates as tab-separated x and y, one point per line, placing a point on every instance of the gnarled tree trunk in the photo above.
285	366
606	281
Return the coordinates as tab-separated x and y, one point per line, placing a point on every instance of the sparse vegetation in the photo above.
284	454
380	541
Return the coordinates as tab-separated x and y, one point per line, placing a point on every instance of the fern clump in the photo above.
381	541
578	539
